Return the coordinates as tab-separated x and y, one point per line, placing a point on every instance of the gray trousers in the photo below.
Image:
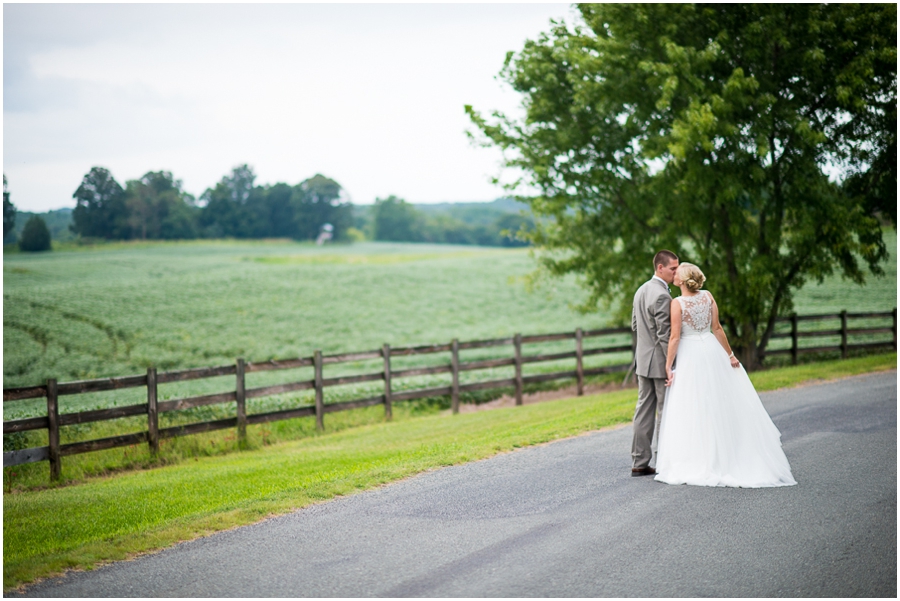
647	414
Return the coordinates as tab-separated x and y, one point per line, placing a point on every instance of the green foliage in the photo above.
228	210
100	210
396	220
755	140
35	236
58	222
158	208
482	224
317	201
236	208
9	210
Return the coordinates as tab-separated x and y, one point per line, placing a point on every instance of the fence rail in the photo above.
52	390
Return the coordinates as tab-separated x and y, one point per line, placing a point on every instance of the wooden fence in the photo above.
52	390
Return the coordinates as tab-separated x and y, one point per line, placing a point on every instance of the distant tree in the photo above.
100	210
229	209
442	229
35	235
317	201
159	208
278	211
9	210
396	220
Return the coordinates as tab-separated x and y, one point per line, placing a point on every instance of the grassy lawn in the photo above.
110	518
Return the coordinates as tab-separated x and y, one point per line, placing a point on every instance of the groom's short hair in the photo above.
663	257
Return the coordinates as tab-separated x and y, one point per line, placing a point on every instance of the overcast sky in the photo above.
370	95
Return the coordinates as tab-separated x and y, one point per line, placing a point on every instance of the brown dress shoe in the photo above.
642	471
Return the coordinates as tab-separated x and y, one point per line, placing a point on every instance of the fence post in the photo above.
894	327
386	353
579	366
794	351
454	368
53	428
152	413
241	397
844	334
517	341
320	397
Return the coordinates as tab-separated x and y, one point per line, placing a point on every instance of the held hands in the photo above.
670	375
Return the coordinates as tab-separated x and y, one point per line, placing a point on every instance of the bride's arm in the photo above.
674	337
719	333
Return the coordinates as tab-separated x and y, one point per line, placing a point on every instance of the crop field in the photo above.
118	309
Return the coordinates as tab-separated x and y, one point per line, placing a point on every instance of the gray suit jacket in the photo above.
650	318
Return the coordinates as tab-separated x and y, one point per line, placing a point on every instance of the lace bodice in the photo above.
696	313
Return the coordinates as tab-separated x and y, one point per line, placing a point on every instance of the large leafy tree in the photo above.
100	210
756	140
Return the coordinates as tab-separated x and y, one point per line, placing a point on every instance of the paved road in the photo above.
567	520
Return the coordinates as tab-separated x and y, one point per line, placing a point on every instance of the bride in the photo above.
714	429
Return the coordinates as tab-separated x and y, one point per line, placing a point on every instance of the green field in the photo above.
117	309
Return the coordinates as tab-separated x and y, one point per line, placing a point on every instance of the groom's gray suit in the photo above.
650	318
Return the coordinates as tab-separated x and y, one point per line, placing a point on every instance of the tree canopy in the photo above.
756	140
100	210
35	235
158	208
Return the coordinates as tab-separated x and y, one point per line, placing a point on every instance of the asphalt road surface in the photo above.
567	520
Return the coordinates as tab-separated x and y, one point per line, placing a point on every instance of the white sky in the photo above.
370	95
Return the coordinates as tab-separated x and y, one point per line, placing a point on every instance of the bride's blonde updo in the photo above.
691	275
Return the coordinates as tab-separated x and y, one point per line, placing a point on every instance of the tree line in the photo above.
156	207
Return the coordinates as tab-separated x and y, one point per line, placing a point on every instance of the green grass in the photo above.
117	309
47	531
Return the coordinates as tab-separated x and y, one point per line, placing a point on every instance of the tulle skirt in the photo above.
715	430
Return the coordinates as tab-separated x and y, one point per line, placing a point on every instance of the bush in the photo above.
35	235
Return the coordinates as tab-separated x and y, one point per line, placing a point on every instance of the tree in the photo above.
9	210
35	235
159	208
752	139
396	220
514	229
279	211
317	201
100	211
229	210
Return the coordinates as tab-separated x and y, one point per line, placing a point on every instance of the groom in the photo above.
650	319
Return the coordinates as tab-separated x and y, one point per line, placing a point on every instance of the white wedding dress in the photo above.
715	430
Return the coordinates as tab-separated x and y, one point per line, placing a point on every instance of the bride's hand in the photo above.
734	361
670	375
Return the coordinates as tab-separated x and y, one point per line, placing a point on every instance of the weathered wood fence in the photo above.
54	420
